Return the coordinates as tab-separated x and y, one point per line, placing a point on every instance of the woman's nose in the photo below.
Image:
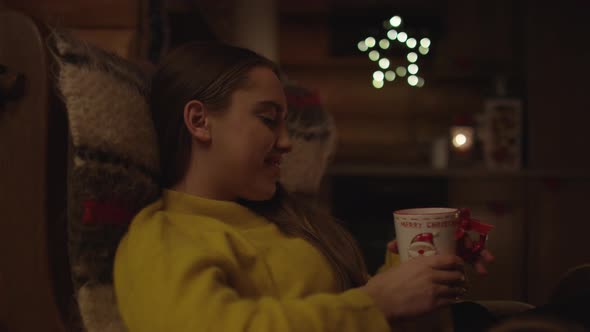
283	140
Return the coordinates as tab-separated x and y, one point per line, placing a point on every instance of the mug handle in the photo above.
466	223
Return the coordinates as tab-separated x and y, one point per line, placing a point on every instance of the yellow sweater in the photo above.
193	264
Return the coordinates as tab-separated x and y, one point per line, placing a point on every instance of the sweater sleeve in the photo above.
195	294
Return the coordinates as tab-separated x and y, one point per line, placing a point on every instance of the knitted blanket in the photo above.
113	166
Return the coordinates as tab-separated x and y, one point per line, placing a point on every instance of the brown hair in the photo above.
210	73
298	214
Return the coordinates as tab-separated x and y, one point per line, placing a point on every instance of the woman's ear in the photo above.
196	120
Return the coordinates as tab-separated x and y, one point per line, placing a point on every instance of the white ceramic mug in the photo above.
429	231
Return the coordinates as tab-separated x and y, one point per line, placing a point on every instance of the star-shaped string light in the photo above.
377	49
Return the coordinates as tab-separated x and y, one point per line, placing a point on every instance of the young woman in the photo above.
225	248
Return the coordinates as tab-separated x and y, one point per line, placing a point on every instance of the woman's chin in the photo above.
261	194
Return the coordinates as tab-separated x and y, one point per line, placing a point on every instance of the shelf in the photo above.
422	171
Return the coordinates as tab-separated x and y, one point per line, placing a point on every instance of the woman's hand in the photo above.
485	256
418	286
479	265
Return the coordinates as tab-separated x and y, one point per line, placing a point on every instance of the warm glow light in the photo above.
395	21
370	41
420	82
392	34
413	68
412	80
412	57
423	50
459	140
378	76
384	63
401	71
462	137
390	75
425	42
402	37
411	43
362	46
378	84
374	55
384	44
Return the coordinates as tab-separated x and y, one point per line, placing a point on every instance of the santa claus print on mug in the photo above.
422	245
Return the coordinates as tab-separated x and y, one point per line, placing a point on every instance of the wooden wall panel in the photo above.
402	121
558	232
557	118
123	42
304	40
557	70
116	26
82	14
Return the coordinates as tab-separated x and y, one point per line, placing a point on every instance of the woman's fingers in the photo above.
445	262
392	246
480	268
448	277
443	302
449	292
484	257
487	256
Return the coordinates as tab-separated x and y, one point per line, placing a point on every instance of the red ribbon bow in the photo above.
467	224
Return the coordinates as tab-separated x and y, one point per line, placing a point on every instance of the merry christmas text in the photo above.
430	224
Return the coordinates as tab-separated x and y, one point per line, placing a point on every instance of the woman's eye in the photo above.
268	120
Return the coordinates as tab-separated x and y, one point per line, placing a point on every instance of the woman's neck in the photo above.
201	182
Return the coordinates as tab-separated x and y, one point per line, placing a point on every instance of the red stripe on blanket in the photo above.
105	213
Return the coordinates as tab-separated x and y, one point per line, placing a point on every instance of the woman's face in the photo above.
249	138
